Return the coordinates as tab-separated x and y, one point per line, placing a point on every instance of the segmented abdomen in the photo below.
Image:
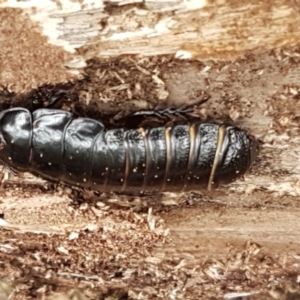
54	145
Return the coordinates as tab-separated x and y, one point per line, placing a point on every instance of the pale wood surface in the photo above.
205	29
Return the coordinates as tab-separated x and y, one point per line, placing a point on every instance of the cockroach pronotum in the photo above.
51	143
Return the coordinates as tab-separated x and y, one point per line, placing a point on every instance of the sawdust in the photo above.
26	59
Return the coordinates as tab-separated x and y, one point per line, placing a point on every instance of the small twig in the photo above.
81	276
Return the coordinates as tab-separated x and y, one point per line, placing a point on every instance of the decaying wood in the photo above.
243	59
206	29
203	30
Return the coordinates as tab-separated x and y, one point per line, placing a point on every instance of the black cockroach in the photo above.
53	144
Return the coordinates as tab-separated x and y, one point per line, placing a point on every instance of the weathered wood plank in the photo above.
201	29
